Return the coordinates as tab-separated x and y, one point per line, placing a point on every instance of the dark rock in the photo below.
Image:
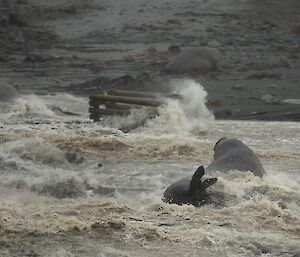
282	205
262	248
71	9
227	113
16	21
74	158
173	21
214	103
265	76
69	188
174	49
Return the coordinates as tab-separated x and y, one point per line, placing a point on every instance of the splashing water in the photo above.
29	107
111	197
187	115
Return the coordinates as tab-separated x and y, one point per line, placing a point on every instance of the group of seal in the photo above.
229	154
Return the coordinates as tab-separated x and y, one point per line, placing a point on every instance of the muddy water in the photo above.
70	187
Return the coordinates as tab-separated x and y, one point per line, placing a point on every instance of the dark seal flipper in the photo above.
197	185
196	180
190	191
208	182
198	188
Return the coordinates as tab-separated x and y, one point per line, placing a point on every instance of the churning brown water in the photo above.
70	187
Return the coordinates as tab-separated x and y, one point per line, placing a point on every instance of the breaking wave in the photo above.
187	115
43	107
66	178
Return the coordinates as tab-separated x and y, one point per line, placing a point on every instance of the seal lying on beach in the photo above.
233	154
230	154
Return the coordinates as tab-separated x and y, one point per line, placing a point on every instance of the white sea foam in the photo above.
42	107
188	115
35	175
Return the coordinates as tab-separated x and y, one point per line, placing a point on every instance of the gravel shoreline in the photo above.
59	46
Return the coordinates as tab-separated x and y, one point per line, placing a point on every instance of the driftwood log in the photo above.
122	102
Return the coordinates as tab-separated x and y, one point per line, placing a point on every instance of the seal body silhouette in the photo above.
233	154
230	154
189	190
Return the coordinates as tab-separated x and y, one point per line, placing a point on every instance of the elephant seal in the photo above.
191	60
233	154
230	154
190	190
7	92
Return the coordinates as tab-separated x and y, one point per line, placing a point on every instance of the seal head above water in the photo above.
233	154
190	191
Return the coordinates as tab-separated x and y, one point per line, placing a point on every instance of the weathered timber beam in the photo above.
129	93
128	100
101	111
142	94
110	105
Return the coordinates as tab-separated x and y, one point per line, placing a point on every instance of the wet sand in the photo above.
59	46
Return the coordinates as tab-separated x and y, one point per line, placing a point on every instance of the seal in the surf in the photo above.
230	154
233	154
190	190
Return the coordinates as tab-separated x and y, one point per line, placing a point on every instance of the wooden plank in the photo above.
142	94
105	112
110	105
129	93
128	100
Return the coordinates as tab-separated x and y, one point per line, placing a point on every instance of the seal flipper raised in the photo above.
198	188
196	182
190	191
